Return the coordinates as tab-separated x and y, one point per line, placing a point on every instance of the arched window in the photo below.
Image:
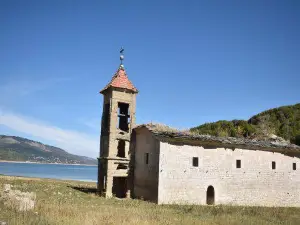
210	195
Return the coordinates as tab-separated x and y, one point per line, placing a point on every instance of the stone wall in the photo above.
146	175
115	133
111	165
255	183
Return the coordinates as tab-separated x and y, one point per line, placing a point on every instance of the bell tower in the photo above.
118	119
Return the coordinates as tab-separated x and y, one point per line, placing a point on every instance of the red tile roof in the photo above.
120	80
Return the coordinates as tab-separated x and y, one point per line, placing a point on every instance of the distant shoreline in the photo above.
43	178
29	162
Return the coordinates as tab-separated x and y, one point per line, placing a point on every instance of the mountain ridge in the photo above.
283	122
15	148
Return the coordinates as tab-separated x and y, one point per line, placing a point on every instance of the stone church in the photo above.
165	166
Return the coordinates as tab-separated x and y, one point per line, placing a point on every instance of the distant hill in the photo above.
283	122
21	149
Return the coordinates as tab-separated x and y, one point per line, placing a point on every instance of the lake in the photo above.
55	171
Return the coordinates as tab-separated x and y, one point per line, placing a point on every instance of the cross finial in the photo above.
121	56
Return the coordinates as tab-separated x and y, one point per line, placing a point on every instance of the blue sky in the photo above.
192	61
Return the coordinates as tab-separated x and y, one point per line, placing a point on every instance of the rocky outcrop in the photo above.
16	199
276	138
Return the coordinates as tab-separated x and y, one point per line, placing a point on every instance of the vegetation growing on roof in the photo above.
158	127
170	134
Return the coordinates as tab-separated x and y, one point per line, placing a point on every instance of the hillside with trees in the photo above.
283	122
14	148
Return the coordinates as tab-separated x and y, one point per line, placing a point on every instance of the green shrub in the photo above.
283	121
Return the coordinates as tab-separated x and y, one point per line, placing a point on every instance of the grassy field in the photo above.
71	202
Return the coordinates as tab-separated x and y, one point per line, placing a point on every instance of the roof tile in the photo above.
120	80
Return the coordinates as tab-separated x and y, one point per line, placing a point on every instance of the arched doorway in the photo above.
210	195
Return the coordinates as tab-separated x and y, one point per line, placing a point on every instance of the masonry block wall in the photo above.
257	182
146	166
114	142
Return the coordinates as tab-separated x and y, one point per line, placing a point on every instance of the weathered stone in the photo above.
118	119
275	138
16	199
6	188
257	173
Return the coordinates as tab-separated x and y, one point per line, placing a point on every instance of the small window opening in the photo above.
147	158
122	166
238	163
195	161
294	166
123	116
121	148
273	165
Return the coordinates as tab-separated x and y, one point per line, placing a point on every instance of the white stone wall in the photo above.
255	183
146	175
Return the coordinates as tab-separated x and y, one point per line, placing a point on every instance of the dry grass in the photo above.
60	202
159	127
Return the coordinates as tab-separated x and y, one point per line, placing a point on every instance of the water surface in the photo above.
56	171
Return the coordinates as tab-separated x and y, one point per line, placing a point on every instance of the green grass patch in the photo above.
72	202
